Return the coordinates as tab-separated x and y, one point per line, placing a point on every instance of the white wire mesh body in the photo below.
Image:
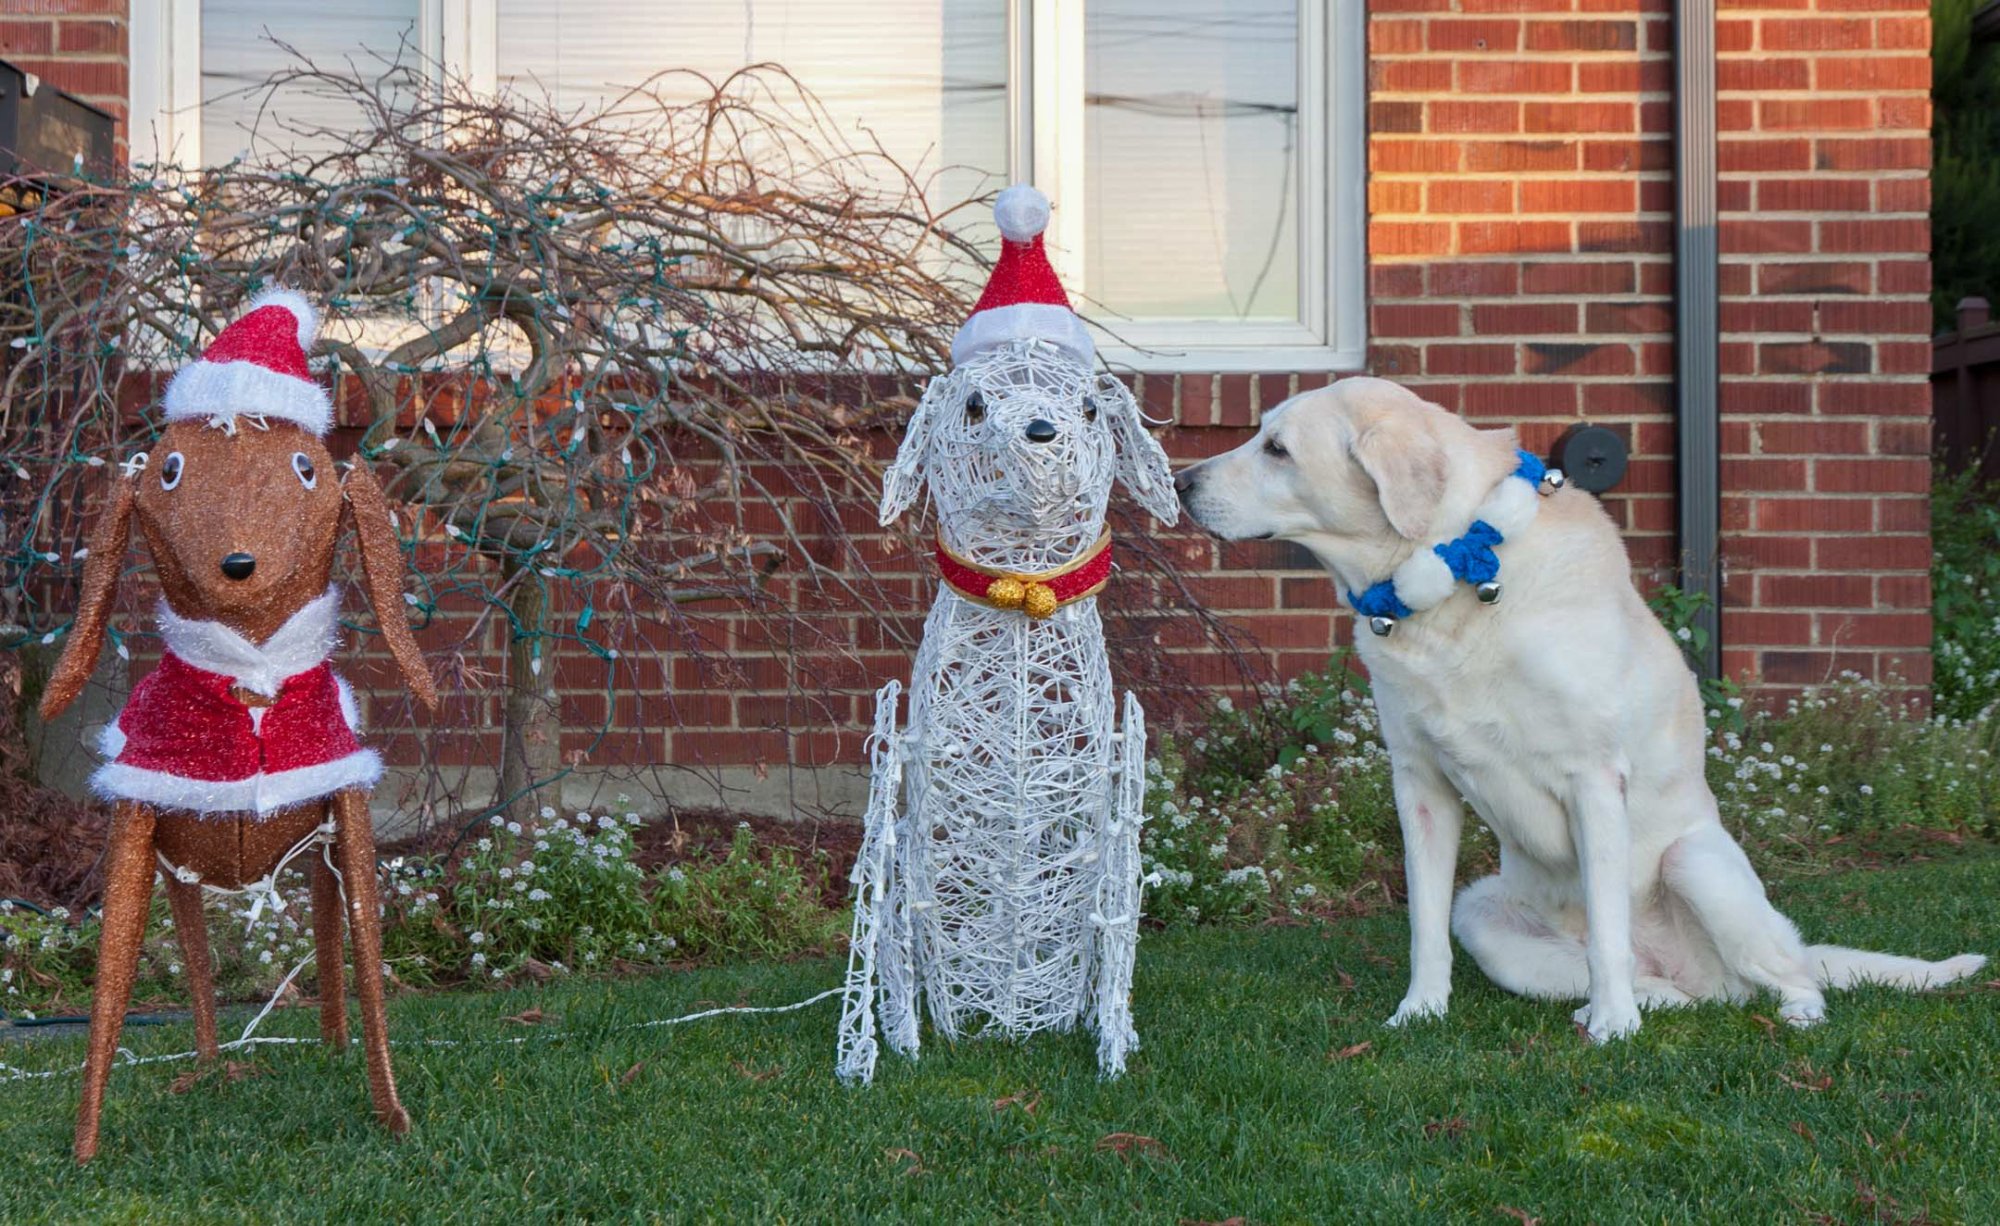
998	879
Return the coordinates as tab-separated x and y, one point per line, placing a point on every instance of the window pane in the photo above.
362	38
925	77
1192	158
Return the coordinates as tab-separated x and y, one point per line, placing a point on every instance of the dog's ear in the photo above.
93	611
367	508
1407	464
1142	462
903	479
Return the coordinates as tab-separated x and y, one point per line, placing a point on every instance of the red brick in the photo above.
1874	552
1903	276
1513	77
1771	552
1817	34
1396	280
1527	318
1649	236
27	37
1386	196
1903	592
92	38
1470	196
1813	437
1897	235
1896	357
1828	277
1815	195
1903	33
1395	37
1506	237
1578	117
1520	155
1474	36
1874	317
1873	72
1749	235
1474	116
1763	475
1903	514
1815	114
1578	196
1762	74
1411	76
1789	396
1874	398
1872	153
1578	359
1514	401
1815	358
1469	360
1597	35
1476	280
1606	277
1778	629
1413	156
1390	238
1903	437
1873	476
1395	117
1630	317
1623	76
1815	591
1767	315
1813	514
1905	112
1626	156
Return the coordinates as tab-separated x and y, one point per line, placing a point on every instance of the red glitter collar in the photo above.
1038	594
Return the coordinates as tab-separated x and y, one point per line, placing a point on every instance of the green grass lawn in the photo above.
1267	1085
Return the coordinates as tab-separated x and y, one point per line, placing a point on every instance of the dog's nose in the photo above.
1040	431
1184	482
238	565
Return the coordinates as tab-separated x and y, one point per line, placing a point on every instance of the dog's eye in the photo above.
975	407
302	465
170	471
1274	447
1090	408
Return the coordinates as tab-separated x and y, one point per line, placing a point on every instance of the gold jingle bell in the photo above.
1040	601
1006	593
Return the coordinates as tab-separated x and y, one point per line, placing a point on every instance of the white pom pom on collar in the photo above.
297	305
1021	212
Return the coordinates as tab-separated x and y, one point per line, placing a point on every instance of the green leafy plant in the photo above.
748	903
1965	580
1680	612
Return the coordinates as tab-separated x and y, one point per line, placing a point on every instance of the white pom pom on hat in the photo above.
1021	212
1024	299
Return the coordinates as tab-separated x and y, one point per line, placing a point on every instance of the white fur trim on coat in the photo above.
220	392
1024	321
306	639
261	794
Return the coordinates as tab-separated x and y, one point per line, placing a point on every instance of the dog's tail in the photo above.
1835	966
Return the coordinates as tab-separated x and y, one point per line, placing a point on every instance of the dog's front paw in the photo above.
1605	1022
1415	1008
1803	1010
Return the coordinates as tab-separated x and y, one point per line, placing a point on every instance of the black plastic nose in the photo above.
238	565
1040	431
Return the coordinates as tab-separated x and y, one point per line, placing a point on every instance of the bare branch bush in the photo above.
630	368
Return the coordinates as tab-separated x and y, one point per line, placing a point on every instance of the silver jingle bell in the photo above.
1552	480
1489	592
1381	626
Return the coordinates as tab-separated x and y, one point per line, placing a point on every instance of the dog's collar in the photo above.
1037	593
1430	575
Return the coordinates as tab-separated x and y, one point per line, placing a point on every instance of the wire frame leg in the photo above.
875	895
1118	897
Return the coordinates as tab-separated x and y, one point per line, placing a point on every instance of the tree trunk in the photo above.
531	727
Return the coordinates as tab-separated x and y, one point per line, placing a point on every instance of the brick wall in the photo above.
78	46
1825	157
1521	272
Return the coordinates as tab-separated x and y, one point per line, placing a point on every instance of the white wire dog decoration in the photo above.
999	871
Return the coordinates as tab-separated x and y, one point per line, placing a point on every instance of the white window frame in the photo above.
1046	99
1045	146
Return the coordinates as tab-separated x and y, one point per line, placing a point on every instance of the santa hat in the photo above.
1023	298
256	368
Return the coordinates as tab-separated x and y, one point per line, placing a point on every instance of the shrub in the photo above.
748	903
1965	578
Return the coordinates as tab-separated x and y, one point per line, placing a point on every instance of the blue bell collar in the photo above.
1430	575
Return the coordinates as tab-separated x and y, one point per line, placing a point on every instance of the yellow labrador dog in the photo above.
1546	696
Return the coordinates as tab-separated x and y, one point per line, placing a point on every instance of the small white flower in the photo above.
477	938
479	959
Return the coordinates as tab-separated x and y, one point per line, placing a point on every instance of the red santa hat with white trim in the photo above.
256	368
1023	298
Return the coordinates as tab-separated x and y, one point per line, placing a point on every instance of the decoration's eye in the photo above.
975	407
1275	448
1090	408
170	471
302	465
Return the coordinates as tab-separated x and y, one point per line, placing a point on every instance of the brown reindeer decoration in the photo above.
240	750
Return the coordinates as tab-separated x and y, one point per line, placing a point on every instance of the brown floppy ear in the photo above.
1407	466
382	570
93	611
